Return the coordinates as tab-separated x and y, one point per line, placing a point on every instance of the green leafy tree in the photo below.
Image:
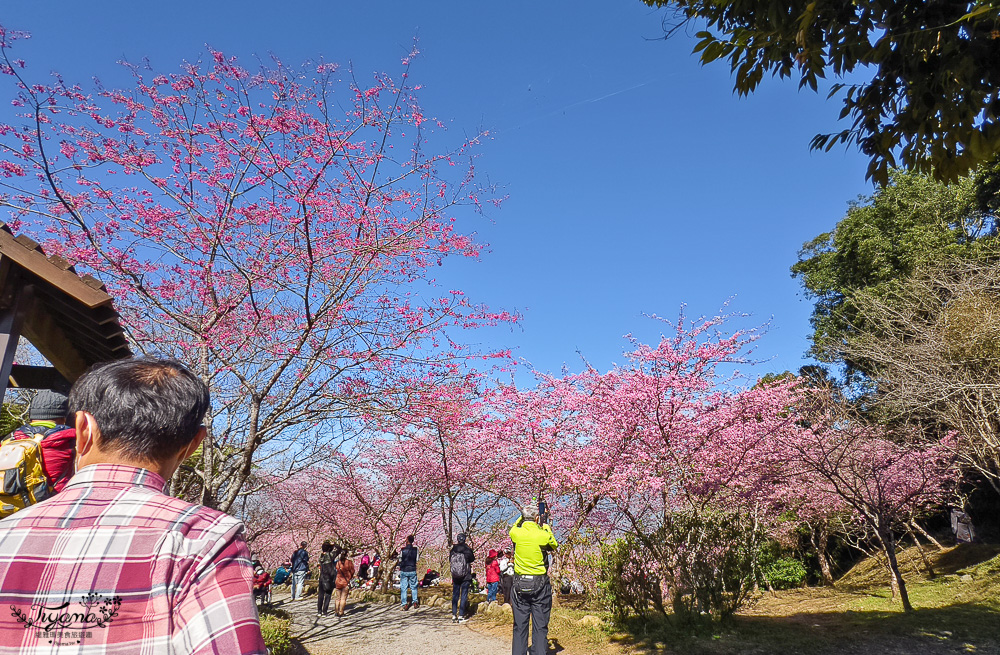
934	349
931	96
12	416
912	221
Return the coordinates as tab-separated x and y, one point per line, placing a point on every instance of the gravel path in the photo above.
377	629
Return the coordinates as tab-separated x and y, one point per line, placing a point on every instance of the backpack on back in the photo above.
459	565
35	463
24	479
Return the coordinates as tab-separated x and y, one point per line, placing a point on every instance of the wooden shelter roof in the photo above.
69	319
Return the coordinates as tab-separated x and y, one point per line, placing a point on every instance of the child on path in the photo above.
492	576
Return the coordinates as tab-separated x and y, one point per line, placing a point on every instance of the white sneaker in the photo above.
463	620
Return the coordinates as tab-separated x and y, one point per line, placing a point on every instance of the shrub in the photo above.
698	564
785	573
715	563
627	586
276	626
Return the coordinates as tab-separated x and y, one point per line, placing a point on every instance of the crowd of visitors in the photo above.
519	576
93	534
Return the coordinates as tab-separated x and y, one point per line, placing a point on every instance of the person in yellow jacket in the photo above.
532	593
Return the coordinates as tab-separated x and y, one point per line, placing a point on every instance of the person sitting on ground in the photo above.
261	583
159	573
460	558
345	573
430	578
281	575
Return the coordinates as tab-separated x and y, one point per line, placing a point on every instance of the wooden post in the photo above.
13	308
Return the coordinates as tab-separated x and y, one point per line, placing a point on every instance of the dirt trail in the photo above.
377	629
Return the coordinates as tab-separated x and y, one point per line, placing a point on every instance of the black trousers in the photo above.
323	600
537	607
505	584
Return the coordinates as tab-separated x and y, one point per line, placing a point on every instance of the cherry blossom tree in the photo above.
681	469
440	450
360	499
661	440
274	227
885	479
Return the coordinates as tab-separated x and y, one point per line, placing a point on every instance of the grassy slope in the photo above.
958	611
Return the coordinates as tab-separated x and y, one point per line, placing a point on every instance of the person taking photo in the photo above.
531	592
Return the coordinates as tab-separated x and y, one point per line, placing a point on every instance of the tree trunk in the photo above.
916	526
208	497
446	524
820	539
923	556
896	577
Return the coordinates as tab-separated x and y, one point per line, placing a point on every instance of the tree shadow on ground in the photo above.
964	556
360	618
971	628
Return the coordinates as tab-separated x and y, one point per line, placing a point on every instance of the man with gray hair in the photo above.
532	592
136	570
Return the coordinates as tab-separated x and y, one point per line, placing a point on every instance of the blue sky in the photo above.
637	179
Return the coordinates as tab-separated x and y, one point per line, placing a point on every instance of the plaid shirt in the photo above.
113	565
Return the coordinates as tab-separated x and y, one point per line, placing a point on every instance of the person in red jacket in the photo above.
492	576
47	416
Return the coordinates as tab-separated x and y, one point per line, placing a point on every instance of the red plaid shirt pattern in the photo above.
180	572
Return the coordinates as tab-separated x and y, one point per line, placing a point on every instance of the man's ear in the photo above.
86	433
193	446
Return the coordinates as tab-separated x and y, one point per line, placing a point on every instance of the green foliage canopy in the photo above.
883	239
932	102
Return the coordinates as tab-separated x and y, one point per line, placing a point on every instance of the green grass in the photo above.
956	611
